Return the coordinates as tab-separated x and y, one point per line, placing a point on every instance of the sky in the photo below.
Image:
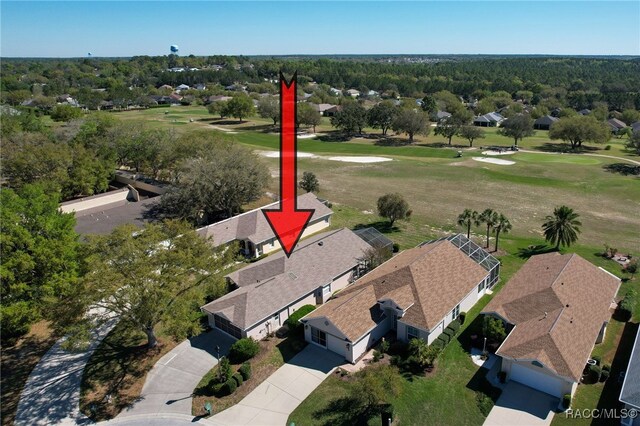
123	28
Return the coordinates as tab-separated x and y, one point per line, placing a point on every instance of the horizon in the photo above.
148	28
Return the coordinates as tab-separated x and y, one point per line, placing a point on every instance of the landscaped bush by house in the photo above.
597	359
245	371
384	346
438	344
493	329
445	338
455	326
461	317
606	367
566	400
377	355
485	404
229	387
224	369
243	350
604	375
449	332
626	306
594	373
293	322
396	247
238	378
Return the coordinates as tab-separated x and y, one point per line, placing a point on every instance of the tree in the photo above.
393	207
471	133
240	106
216	183
375	256
429	104
381	116
579	129
517	127
351	118
493	329
375	385
422	353
634	143
269	107
221	108
411	122
40	257
502	225
308	116
309	182
562	227
489	218
65	113
450	126
467	218
158	274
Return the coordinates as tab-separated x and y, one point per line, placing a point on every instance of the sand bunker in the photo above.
360	159
309	136
498	152
495	161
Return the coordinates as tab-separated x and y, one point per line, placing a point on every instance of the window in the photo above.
226	326
412	333
326	289
455	312
482	285
319	337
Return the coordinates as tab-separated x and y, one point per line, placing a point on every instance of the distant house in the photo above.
544	122
630	393
236	88
183	87
218	98
267	292
331	111
176	69
165	87
441	115
584	111
323	108
555	112
616	125
372	94
635	127
353	93
492	119
304	97
335	92
200	86
556	308
253	232
417	293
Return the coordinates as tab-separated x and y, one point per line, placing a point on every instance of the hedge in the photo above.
245	371
462	317
604	375
455	326
230	386
243	350
439	344
445	338
449	333
293	322
594	373
238	378
566	400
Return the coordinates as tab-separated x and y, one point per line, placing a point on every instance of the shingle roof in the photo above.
545	120
492	117
104	219
558	304
617	124
277	281
630	393
253	226
430	280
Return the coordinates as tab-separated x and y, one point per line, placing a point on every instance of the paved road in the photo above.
170	383
274	399
523	406
51	395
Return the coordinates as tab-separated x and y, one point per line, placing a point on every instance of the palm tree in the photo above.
488	217
562	227
502	225
467	218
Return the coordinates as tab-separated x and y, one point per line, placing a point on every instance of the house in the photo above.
200	86
616	125
322	108
335	92
183	87
557	308
267	292
372	94
630	393
635	127
544	122
555	112
253	232
331	111
416	293
441	115
218	98
492	119
353	93
584	111
166	87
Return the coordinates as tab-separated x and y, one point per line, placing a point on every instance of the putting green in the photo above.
557	158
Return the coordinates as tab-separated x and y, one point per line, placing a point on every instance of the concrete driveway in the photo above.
274	399
523	406
170	383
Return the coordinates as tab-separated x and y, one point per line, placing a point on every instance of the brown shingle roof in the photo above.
277	281
558	304
431	280
253	226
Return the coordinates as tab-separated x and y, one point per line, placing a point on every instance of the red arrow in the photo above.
288	222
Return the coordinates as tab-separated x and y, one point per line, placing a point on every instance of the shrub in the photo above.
224	370
594	373
243	350
606	367
455	326
384	346
445	338
449	332
396	247
438	344
632	267
597	359
462	317
376	355
398	348
293	322
626	306
16	319
245	371
607	148
566	400
484	402
230	386
604	375
238	378
493	329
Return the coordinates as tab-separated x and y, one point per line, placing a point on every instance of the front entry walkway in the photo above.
274	399
523	406
170	383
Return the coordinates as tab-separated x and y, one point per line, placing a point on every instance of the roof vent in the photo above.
321	243
293	276
545	314
567	305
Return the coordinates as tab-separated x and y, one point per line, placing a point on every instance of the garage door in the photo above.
537	380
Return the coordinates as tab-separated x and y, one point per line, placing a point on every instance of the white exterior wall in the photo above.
560	385
336	345
272	245
338	284
95	201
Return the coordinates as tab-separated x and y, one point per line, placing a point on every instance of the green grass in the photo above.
565	158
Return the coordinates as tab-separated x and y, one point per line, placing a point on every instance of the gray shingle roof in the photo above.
104	219
630	393
253	226
545	120
277	281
